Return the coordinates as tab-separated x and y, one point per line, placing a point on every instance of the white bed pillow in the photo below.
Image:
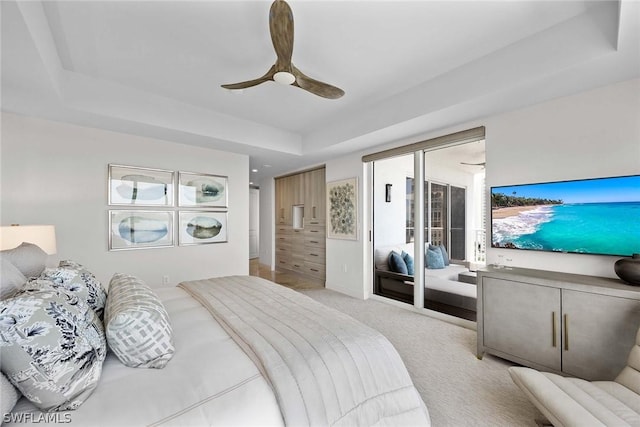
52	348
8	396
11	279
137	325
27	257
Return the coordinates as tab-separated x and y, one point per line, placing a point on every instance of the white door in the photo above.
254	222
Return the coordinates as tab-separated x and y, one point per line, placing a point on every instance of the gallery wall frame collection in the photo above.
132	187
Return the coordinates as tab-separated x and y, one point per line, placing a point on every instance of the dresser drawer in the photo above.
283	262
314	231
283	229
315	241
316	255
315	270
285	239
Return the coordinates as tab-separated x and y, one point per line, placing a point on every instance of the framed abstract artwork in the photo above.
136	186
202	227
342	209
202	190
138	229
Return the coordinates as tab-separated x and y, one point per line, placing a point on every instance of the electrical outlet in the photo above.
165	280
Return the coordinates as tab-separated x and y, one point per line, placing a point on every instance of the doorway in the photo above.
254	223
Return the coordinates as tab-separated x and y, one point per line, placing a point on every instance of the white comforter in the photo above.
209	381
325	367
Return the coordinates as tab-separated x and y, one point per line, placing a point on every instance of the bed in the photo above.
239	360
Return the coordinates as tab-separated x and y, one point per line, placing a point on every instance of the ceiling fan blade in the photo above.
316	87
281	28
249	83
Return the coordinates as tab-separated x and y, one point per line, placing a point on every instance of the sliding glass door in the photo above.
425	228
393	228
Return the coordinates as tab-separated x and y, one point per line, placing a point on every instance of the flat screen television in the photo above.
591	216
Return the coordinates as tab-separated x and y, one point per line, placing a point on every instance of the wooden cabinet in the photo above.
577	325
280	202
314	196
301	249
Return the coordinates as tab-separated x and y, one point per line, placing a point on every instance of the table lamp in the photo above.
43	236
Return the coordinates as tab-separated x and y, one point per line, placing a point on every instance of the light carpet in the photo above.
459	389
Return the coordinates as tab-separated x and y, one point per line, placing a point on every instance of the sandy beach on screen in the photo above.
502	213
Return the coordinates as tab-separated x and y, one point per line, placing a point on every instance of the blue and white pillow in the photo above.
53	347
75	280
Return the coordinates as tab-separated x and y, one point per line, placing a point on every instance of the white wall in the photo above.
589	135
345	258
592	134
56	173
390	218
267	222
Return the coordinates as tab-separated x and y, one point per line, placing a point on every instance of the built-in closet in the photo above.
300	213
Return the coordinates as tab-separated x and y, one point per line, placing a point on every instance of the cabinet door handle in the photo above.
314	211
553	329
566	332
281	212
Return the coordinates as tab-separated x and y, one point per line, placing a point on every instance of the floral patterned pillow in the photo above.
74	279
53	347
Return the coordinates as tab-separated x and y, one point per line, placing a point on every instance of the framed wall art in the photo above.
202	227
202	190
136	186
342	209
138	229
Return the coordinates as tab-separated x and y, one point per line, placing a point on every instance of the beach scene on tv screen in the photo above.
592	216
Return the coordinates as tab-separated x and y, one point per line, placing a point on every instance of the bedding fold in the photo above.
325	367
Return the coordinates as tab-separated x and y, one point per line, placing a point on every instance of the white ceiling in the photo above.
154	68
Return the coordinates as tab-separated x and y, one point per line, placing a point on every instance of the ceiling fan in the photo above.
283	71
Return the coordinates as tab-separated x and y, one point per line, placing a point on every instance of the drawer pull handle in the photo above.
313	231
553	329
566	332
313	241
313	254
313	269
296	265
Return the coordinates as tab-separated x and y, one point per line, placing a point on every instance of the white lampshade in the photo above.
44	236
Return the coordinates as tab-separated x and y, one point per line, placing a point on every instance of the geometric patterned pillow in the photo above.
52	348
137	325
75	281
